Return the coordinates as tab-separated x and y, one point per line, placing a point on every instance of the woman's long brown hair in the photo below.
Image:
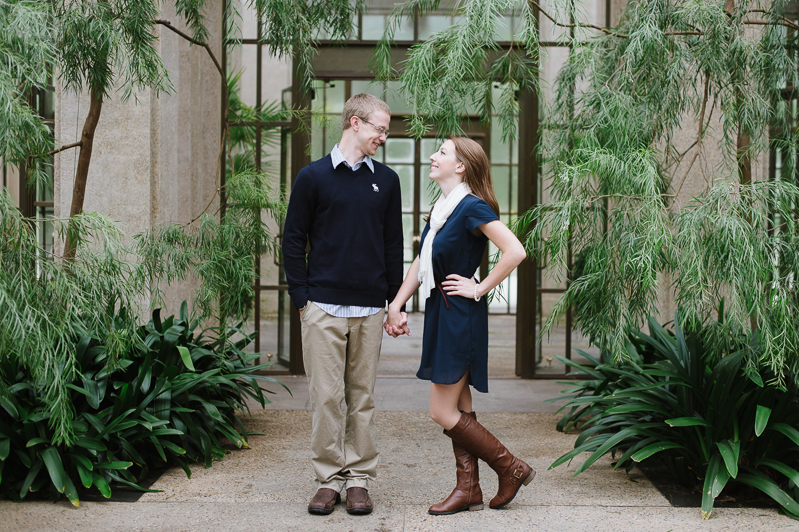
478	170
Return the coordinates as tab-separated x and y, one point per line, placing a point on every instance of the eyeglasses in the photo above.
379	129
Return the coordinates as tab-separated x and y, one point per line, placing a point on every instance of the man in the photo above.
348	208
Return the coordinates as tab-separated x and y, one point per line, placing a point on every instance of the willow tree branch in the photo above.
786	23
65	147
679	157
219	160
205	45
206	207
606	31
192	40
699	135
783	21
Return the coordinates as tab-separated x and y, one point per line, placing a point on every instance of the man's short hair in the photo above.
362	105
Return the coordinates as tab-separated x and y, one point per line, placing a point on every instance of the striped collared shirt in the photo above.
348	311
338	158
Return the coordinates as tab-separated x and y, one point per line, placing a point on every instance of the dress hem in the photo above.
451	383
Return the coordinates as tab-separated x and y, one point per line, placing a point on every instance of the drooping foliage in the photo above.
26	43
219	255
108	48
452	73
44	308
618	163
242	138
679	95
291	28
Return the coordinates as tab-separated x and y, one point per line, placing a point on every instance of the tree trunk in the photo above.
744	158
85	157
744	141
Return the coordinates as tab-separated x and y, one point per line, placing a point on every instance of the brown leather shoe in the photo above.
324	501
512	473
358	501
467	494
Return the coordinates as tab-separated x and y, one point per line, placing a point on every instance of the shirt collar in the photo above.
337	157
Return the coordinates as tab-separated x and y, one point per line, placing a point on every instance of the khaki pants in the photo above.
340	356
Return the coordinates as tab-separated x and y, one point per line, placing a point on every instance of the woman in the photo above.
455	344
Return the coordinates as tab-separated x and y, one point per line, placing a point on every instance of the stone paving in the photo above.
267	487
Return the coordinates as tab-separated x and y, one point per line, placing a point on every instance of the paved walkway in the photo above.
267	487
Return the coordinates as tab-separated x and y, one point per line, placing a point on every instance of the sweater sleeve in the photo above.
299	220
392	239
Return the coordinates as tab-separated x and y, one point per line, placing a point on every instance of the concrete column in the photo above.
155	156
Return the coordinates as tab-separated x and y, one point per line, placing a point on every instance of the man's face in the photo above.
369	138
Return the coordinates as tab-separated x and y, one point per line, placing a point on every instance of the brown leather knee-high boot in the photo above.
512	472
467	494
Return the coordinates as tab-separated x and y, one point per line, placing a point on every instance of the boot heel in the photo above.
476	508
530	477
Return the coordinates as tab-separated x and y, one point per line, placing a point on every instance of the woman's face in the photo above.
444	163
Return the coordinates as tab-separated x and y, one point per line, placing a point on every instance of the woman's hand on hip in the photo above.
455	285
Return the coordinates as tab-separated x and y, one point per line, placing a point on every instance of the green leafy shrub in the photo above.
170	402
710	422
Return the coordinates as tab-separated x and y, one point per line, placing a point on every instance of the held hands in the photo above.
396	323
461	286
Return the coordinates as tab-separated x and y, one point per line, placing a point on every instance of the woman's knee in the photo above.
435	415
445	418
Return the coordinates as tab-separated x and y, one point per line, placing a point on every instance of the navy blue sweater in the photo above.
353	222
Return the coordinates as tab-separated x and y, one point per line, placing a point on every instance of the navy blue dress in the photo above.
455	327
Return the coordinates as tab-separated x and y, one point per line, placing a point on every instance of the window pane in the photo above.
400	151
317	141
428	196
335	97
514	190
395	100
500	152
548	30
406	185
405	31
407	237
317	97
333	133
49	105
373	27
380	155
244	65
514	151
374	23
429	147
248	23
430	24
551	63
501	177
375	88
45	192
502	31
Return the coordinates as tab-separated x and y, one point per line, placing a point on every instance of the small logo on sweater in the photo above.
374	187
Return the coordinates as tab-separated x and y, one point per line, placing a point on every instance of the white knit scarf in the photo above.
441	212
